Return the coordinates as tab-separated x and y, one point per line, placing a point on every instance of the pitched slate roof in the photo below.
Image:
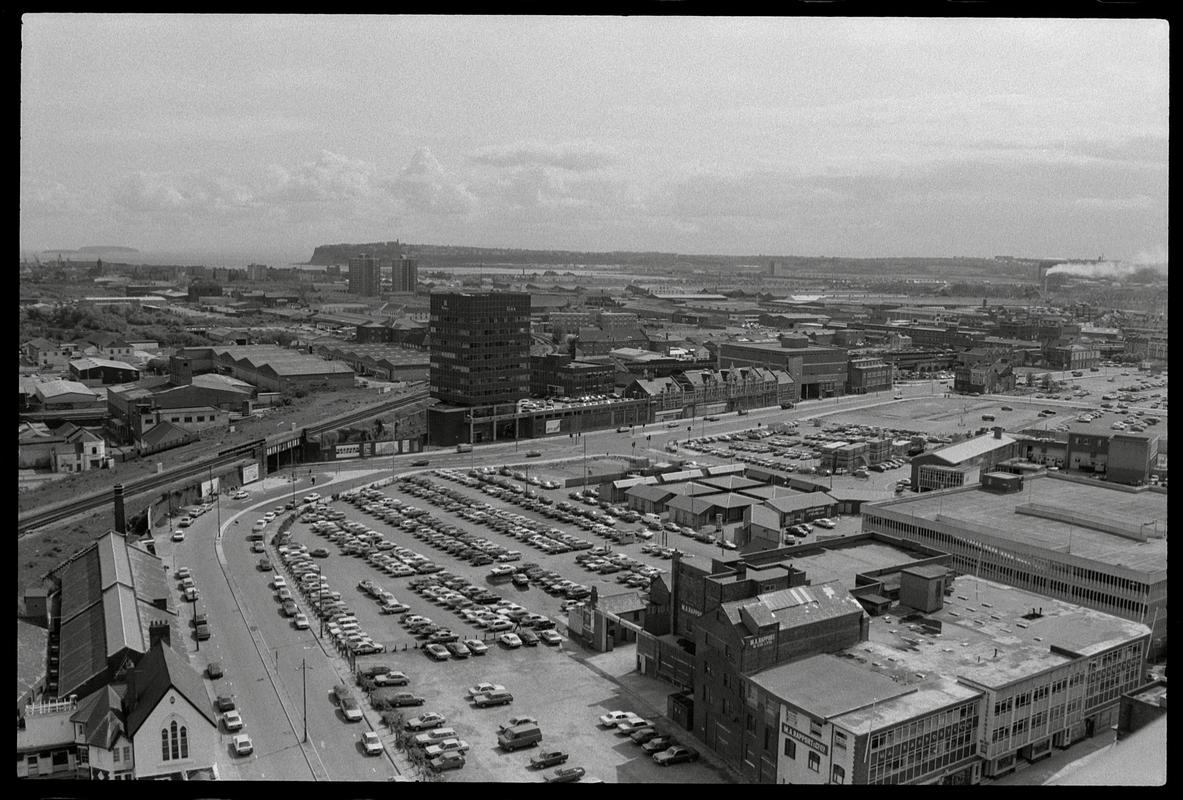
100	714
161	669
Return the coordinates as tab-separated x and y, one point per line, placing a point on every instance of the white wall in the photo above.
204	739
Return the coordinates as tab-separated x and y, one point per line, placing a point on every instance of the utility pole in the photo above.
304	675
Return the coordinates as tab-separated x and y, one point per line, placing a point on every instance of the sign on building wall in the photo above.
209	487
250	473
347	451
552	425
385	448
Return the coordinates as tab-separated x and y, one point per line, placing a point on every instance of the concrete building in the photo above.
868	374
194	402
80	451
364	276
559	375
974	681
480	348
961	463
817	371
404	275
1083	541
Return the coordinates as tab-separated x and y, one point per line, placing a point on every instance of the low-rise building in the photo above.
961	463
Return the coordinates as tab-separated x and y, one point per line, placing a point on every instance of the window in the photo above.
839	740
184	742
188	419
815	762
164	744
173	741
815	728
790	749
837	774
115	754
61	758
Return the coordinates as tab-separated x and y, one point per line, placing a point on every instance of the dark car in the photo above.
214	670
528	637
533	454
457	650
658	744
404	699
201	633
422	462
643	735
224	702
566	775
544	760
264	565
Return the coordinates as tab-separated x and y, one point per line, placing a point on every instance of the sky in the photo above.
738	136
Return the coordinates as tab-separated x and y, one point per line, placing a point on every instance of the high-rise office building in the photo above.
480	347
363	276
404	275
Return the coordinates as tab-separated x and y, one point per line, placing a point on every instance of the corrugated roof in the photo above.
114	564
121	620
83	652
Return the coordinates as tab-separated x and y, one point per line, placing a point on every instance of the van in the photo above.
987	418
463	448
519	736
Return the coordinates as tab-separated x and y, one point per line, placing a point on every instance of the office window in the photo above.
791	749
815	728
839	739
815	762
837	774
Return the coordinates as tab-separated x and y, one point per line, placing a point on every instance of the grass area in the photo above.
43	550
302	412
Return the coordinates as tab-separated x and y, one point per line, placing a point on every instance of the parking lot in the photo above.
549	683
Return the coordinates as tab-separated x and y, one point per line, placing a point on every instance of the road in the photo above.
263	657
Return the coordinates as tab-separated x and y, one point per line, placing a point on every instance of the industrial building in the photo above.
1079	540
267	367
817	371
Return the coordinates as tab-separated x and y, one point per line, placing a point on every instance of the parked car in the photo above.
675	755
391	678
436	652
446	761
485	688
232	721
550	638
476	647
404	699
242	745
509	640
224	702
528	637
214	670
630	726
425	721
549	759
657	744
614	718
566	775
486	699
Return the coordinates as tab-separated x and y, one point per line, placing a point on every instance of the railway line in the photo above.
39	518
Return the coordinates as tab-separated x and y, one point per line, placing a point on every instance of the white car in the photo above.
241	496
614	718
178	536
232	720
509	640
485	688
301	622
270	515
242	745
279	583
185	522
371	743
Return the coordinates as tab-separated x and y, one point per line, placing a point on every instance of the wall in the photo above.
204	739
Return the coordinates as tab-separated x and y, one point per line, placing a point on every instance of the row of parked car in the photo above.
629	571
501	617
340	623
532	532
664	749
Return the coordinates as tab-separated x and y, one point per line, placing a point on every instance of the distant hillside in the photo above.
443	256
101	249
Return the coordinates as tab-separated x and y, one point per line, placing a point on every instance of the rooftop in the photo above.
995	515
972	448
841	560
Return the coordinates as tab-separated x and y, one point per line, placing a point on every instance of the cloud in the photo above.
188	193
582	156
330	178
425	186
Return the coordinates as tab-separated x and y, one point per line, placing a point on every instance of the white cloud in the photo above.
579	156
330	178
426	187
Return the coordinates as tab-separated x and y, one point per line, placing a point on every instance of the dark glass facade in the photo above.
480	347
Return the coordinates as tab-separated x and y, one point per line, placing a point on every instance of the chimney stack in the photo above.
997	432
120	511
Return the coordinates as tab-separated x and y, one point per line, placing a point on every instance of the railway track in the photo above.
39	518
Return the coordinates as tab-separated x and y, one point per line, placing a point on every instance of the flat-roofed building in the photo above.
1065	537
951	693
961	463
